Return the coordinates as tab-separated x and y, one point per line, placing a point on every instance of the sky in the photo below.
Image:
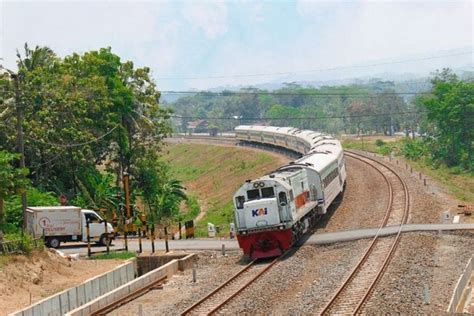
206	44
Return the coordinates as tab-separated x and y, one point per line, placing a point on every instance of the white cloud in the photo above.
373	31
69	27
210	17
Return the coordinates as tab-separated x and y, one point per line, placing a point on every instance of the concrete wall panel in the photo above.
46	308
81	294
55	309
64	302
38	310
72	296
88	293
95	285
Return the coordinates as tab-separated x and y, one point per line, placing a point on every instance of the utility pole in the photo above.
19	137
127	208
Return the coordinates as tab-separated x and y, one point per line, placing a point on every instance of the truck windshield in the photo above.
92	218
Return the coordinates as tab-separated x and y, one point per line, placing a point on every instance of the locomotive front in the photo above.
263	217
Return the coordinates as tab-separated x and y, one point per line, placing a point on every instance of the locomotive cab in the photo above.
261	204
262	215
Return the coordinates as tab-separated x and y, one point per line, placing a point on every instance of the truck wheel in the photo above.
103	240
54	242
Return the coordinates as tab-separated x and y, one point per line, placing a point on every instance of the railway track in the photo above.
218	140
218	298
353	294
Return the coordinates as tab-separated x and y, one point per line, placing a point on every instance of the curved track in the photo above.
218	298
352	296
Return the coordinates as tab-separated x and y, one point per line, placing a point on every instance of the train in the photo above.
272	212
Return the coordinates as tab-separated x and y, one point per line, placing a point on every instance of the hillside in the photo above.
212	174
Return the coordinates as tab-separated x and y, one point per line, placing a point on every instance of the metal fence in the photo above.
460	286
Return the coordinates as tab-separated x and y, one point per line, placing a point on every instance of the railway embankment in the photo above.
211	175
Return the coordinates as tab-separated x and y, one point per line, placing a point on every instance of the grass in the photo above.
122	255
459	183
211	175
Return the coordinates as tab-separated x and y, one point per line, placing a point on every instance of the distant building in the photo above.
199	126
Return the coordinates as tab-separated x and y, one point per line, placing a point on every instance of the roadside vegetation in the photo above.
87	120
121	255
445	150
459	182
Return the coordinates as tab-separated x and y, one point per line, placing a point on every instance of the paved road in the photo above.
216	244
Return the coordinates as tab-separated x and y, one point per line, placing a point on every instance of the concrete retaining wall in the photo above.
167	270
460	286
65	301
146	264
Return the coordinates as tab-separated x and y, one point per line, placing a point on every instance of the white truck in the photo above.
66	223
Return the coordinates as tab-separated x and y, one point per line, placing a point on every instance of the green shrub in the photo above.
35	197
384	150
123	255
23	242
193	210
379	143
414	149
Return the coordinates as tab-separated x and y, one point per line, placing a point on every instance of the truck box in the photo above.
54	220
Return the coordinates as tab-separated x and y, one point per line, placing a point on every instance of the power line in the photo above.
73	144
322	94
297	118
314	70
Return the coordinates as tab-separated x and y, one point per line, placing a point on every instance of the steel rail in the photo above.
220	287
130	297
394	245
241	289
371	246
235	293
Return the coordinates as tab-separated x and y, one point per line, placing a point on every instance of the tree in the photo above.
12	180
161	193
83	111
451	110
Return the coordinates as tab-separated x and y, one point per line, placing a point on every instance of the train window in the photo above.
239	201
268	193
282	198
253	194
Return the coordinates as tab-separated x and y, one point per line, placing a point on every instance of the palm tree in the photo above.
166	202
35	58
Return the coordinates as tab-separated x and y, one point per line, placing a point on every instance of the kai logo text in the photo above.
259	212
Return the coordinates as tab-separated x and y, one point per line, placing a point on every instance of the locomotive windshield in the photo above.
253	194
268	193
